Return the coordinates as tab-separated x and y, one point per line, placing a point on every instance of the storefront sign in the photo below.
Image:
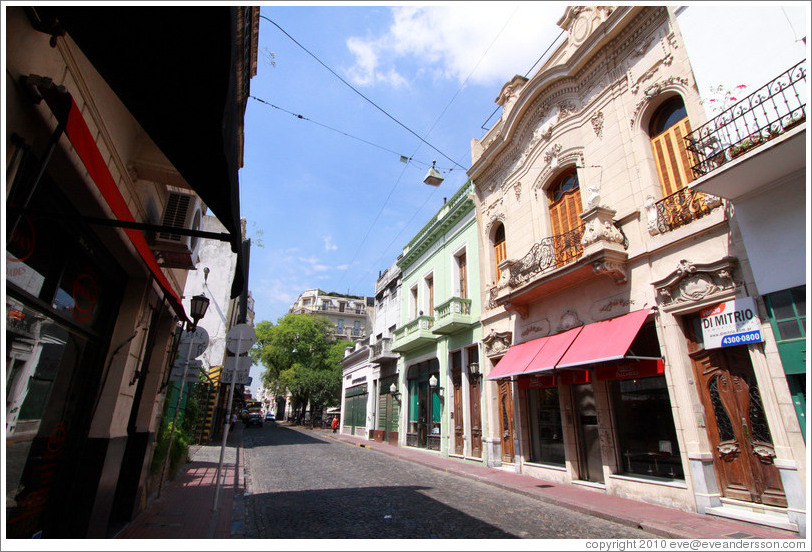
573	377
538	381
630	370
731	323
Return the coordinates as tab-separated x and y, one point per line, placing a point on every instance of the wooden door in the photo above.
565	218
506	420
672	159
737	427
475	396
457	413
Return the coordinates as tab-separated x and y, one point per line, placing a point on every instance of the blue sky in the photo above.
327	200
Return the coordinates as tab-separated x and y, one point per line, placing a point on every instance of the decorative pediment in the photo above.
497	343
581	21
696	283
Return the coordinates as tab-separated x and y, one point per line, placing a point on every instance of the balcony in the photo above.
768	127
382	351
596	247
452	316
679	209
414	334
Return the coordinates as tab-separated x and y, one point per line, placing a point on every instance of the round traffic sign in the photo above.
240	338
193	343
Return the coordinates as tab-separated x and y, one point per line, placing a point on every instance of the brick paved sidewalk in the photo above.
658	520
185	509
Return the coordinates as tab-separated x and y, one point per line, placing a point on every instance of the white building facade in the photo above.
602	268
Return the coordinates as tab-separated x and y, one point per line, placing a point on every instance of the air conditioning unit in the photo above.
177	250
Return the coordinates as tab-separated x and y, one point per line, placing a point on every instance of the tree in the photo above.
300	355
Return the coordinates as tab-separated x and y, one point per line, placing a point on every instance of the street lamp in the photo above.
200	304
433	384
433	177
393	390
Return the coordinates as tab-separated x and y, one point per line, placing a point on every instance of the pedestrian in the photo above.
334	424
233	419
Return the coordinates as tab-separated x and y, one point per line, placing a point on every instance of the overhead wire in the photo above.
303	118
437	120
525	75
359	93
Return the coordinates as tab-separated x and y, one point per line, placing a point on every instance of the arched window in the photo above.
565	216
667	131
499	250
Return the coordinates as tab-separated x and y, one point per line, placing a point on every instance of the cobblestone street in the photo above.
301	484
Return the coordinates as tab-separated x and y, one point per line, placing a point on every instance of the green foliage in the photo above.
300	355
184	437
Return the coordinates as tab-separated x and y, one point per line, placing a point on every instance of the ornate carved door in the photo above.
506	420
457	413
737	427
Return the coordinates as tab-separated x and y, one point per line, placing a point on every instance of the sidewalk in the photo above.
185	509
658	520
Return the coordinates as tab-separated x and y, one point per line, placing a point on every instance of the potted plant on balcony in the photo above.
794	121
745	145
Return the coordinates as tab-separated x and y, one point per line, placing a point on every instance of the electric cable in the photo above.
437	120
404	158
360	94
525	75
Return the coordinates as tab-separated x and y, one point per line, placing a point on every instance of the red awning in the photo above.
555	346
517	359
67	113
534	356
605	340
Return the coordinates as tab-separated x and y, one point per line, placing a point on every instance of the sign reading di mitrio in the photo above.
731	323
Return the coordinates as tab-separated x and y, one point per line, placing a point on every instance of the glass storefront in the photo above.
546	433
63	291
425	406
647	438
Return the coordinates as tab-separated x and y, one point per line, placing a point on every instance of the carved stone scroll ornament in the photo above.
691	283
597	124
496	343
615	270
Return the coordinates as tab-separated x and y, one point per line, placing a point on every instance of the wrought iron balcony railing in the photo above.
550	253
681	208
763	115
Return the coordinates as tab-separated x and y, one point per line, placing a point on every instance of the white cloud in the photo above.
328	244
452	41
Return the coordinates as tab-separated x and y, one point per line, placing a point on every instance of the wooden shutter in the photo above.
672	159
461	261
565	215
499	250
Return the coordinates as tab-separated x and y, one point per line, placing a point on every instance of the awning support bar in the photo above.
221	236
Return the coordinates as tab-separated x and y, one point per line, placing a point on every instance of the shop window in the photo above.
647	438
668	128
546	434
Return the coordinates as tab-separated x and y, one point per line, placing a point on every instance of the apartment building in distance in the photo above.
351	315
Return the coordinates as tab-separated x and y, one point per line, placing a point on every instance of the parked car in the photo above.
254	418
269	417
